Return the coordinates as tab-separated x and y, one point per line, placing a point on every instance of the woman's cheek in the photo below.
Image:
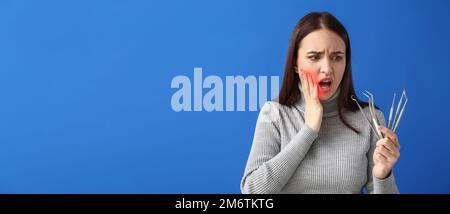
312	75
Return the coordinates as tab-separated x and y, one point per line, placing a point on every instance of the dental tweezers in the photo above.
374	122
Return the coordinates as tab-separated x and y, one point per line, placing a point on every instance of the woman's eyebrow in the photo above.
337	52
321	52
314	52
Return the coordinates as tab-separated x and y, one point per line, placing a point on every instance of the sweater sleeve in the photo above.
375	185
268	167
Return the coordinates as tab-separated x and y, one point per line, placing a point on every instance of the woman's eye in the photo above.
337	58
314	57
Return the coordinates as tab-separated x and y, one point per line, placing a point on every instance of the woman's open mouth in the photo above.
325	84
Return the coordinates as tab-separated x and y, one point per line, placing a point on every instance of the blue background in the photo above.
85	89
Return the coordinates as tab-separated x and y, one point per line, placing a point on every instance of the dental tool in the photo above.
376	123
401	112
398	110
365	116
391	111
394	120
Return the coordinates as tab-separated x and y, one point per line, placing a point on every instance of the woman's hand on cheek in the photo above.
313	107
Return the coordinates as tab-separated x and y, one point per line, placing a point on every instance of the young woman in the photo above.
313	138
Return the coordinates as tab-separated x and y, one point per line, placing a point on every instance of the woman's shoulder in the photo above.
269	112
273	110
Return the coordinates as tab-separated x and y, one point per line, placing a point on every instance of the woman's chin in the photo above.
326	96
321	98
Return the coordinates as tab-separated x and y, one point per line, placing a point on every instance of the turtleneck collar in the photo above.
330	106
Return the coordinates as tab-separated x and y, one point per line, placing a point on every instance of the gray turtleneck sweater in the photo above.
287	156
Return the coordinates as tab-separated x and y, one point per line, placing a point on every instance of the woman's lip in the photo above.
326	78
324	90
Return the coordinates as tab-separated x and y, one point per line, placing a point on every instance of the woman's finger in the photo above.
390	134
316	93
302	80
306	91
389	145
380	157
385	153
313	88
311	85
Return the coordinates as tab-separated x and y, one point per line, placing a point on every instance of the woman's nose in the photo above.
326	67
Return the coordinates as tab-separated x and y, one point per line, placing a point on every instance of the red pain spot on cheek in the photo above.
316	81
313	77
310	74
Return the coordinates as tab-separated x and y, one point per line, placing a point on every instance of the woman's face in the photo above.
322	54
